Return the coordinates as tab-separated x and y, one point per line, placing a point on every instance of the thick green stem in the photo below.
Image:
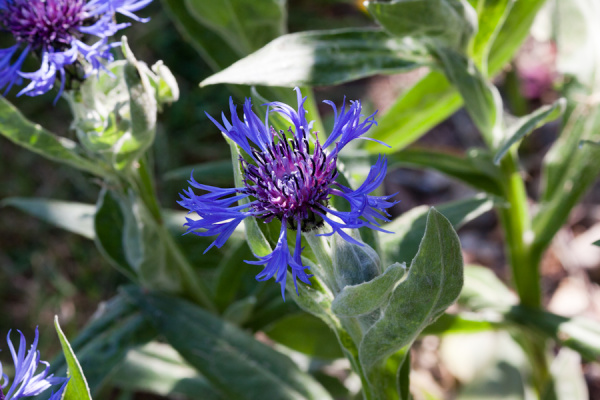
524	263
519	236
145	183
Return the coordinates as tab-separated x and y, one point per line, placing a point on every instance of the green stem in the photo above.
517	229
193	287
145	183
524	263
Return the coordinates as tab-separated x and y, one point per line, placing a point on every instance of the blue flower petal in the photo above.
276	263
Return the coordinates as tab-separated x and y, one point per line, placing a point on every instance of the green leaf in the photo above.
416	111
596	243
515	29
19	130
324	58
240	311
77	388
569	171
69	215
569	167
236	364
366	297
579	334
157	368
404	378
109	223
449	324
433	283
446	22
483	290
476	169
245	25
306	334
214	50
211	173
409	227
433	99
231	271
481	98
103	344
527	124
492	15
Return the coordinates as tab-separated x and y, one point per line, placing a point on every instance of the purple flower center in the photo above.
289	182
43	23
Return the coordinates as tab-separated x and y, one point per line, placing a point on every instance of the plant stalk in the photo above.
524	263
519	236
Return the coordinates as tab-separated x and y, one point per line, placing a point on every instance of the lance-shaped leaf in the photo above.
448	22
69	215
483	290
245	25
366	297
109	223
307	334
433	283
580	334
19	130
528	123
416	111
460	323
235	363
157	368
492	15
475	169
213	173
481	98
77	388
324	58
409	227
210	45
103	344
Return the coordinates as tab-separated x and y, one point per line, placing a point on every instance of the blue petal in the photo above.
9	73
213	208
104	27
43	79
297	117
372	208
25	382
58	395
348	125
252	128
276	263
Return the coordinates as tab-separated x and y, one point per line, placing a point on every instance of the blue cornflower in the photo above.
289	176
25	383
56	31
